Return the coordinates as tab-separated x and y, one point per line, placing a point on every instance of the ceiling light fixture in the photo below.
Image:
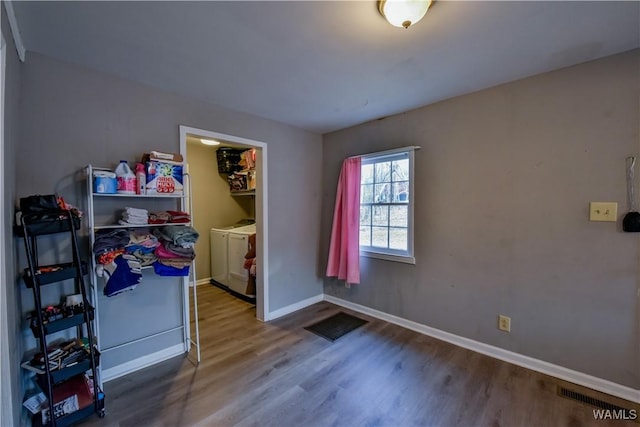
403	13
210	142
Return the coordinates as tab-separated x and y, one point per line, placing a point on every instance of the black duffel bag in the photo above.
39	204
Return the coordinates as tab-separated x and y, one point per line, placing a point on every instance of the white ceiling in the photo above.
325	65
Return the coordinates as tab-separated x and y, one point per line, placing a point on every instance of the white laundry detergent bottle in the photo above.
125	178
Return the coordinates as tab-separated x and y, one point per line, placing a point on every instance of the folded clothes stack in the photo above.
142	245
179	259
122	253
179	217
179	235
175	252
123	271
161	217
169	217
134	216
108	241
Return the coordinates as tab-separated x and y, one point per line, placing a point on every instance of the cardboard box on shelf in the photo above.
69	396
164	173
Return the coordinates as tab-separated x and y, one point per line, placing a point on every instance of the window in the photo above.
386	206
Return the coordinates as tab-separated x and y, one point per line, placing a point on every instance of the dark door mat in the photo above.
336	326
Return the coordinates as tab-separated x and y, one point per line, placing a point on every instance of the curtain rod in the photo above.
382	153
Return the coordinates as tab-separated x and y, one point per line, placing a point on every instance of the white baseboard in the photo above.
142	362
556	371
206	281
294	307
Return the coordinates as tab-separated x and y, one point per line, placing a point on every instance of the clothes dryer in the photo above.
219	238
238	244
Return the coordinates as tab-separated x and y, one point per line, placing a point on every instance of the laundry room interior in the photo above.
223	207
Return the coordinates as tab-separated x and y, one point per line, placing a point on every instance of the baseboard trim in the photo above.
206	281
141	362
294	307
541	366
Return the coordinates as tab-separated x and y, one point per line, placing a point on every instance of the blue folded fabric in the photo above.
139	248
124	277
166	270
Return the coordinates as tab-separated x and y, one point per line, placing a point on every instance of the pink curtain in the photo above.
344	249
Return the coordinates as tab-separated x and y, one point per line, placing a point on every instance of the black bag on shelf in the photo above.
41	212
39	204
228	159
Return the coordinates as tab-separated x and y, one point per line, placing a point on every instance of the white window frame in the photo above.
394	254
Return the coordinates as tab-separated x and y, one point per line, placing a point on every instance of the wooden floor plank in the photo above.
279	374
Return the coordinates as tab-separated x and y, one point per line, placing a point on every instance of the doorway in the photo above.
187	137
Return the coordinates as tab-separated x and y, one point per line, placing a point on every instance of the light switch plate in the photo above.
603	211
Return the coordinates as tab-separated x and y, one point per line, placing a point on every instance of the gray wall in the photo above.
9	293
72	116
503	184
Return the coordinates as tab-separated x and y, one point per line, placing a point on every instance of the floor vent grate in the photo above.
631	414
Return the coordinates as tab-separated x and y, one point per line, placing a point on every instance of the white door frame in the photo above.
262	264
6	384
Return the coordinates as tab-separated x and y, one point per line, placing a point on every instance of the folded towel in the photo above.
136	211
180	235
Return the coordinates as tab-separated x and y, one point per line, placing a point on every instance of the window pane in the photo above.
380	216
365	236
383	172
383	193
398	216
386	212
398	238
401	170
366	174
366	193
379	237
401	192
365	215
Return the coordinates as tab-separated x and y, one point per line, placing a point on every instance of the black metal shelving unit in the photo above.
55	378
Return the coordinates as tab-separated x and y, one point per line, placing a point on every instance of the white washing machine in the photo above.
238	244
219	241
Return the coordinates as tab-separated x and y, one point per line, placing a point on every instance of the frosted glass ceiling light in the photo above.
403	13
209	142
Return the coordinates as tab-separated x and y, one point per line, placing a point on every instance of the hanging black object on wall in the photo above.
631	221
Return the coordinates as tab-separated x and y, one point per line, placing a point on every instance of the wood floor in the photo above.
279	374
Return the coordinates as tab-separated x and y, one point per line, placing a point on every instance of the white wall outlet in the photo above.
603	211
504	323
